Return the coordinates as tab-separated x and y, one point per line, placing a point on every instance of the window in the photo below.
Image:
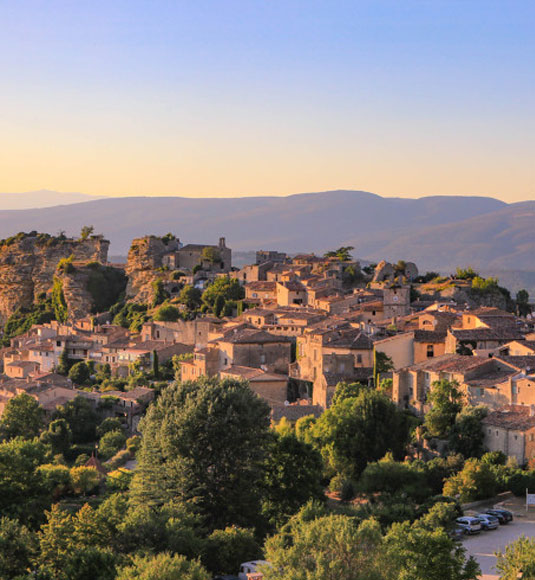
359	358
481	392
516	437
430	351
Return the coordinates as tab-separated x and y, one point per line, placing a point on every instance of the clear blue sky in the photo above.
275	97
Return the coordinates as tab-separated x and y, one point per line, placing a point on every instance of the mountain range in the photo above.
437	232
41	198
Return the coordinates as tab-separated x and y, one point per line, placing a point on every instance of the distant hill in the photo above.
41	198
438	232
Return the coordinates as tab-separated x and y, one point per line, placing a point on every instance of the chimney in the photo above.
221	242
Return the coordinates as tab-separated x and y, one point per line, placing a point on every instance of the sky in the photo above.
255	97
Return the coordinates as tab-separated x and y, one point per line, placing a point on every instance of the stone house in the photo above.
291	293
326	356
261	292
511	430
272	387
191	255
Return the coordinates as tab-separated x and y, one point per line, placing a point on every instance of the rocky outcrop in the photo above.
383	271
28	263
89	289
403	271
144	267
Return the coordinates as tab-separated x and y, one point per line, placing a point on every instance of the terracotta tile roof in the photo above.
355	375
262	286
252	374
251	336
496	334
511	417
524	363
429	336
453	363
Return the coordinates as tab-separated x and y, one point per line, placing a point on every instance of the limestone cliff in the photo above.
28	263
89	288
145	266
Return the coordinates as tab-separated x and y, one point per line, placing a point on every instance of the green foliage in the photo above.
204	441
105	284
163	567
329	547
80	373
394	478
57	478
160	294
466	273
65	265
382	363
210	254
81	418
421	552
343	253
475	481
109	424
24	318
466	436
84	479
292	478
167	313
221	290
345	390
446	402
22	417
523	307
226	549
58	301
130	315
190	297
23	493
17	548
358	430
73	547
58	436
110	443
133	444
86	231
65	363
518	560
169	237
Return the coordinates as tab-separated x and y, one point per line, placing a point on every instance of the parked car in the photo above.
504	516
251	570
469	524
488	522
457	533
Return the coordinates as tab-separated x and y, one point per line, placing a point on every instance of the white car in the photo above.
469	524
251	570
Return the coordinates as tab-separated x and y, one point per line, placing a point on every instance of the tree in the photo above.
345	390
415	552
358	430
446	402
475	481
110	443
329	547
23	493
81	418
65	363
466	436
292	477
391	478
84	479
343	253
167	313
523	307
382	363
221	290
57	478
204	442
86	232
22	417
210	254
159	292
226	549
58	436
80	373
74	547
163	567
17	548
190	297
518	560
109	424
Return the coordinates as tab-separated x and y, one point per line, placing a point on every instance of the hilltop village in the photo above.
203	405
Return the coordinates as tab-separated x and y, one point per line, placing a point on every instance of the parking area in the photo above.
484	545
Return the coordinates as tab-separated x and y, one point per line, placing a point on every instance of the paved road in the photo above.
483	546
